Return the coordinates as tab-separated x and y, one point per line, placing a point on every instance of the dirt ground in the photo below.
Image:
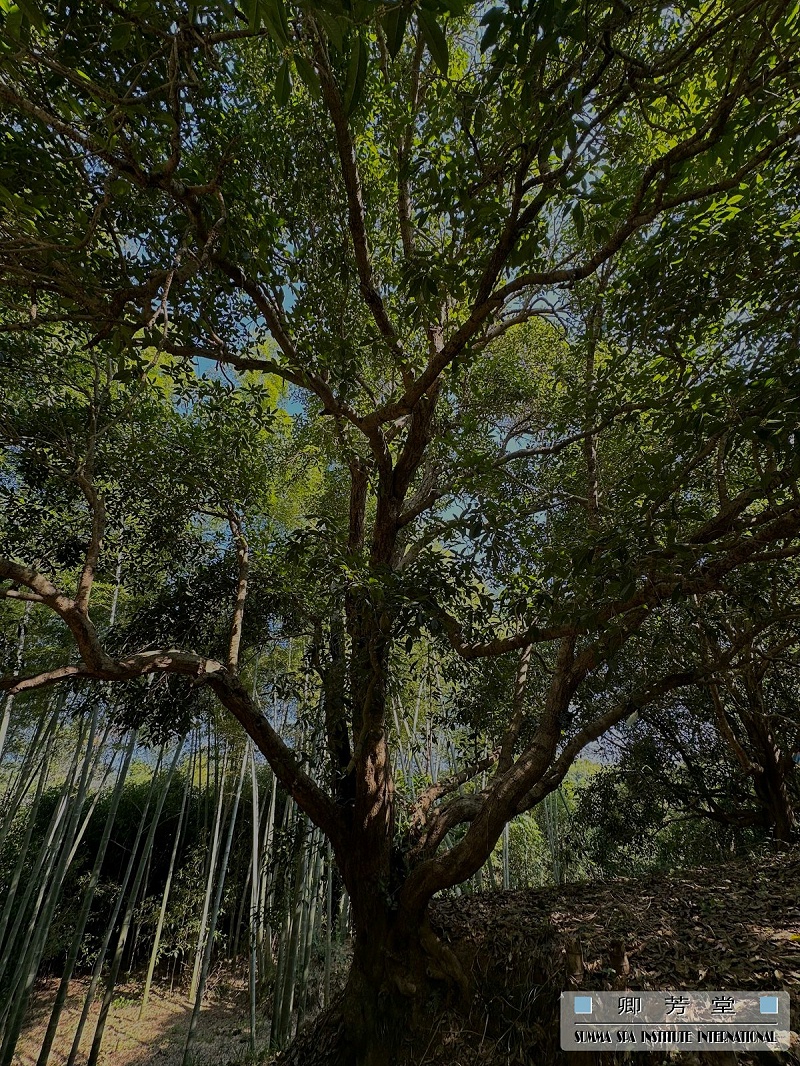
223	1033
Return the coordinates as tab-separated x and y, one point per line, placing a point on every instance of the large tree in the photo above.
376	203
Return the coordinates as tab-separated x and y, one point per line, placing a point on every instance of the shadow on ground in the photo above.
157	1038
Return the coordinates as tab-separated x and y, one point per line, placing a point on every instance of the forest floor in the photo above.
158	1038
729	927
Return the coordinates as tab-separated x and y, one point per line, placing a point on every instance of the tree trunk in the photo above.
386	1003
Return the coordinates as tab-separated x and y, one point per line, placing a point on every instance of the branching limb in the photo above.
517	711
356	215
575	438
98	512
243	559
445	787
424	498
74	617
97	665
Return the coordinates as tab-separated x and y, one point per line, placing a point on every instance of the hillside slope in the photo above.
727	927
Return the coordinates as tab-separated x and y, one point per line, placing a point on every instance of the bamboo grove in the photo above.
183	857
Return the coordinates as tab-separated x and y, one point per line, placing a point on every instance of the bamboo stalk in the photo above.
41	918
33	765
290	974
86	905
101	955
43	867
266	891
9	700
328	925
289	815
212	865
254	899
33	812
307	939
126	921
506	859
209	945
165	897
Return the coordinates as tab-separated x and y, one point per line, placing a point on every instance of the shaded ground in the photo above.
731	927
158	1037
724	928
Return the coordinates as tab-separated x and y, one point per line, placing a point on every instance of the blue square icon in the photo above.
769	1004
583	1005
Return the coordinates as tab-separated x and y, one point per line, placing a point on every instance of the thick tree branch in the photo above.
356	214
98	512
243	560
434	792
97	665
517	711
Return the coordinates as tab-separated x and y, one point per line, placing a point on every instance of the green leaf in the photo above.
308	75
283	84
579	219
31	11
252	9
395	27
273	15
493	21
120	35
356	75
280	9
434	37
332	27
13	22
572	137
